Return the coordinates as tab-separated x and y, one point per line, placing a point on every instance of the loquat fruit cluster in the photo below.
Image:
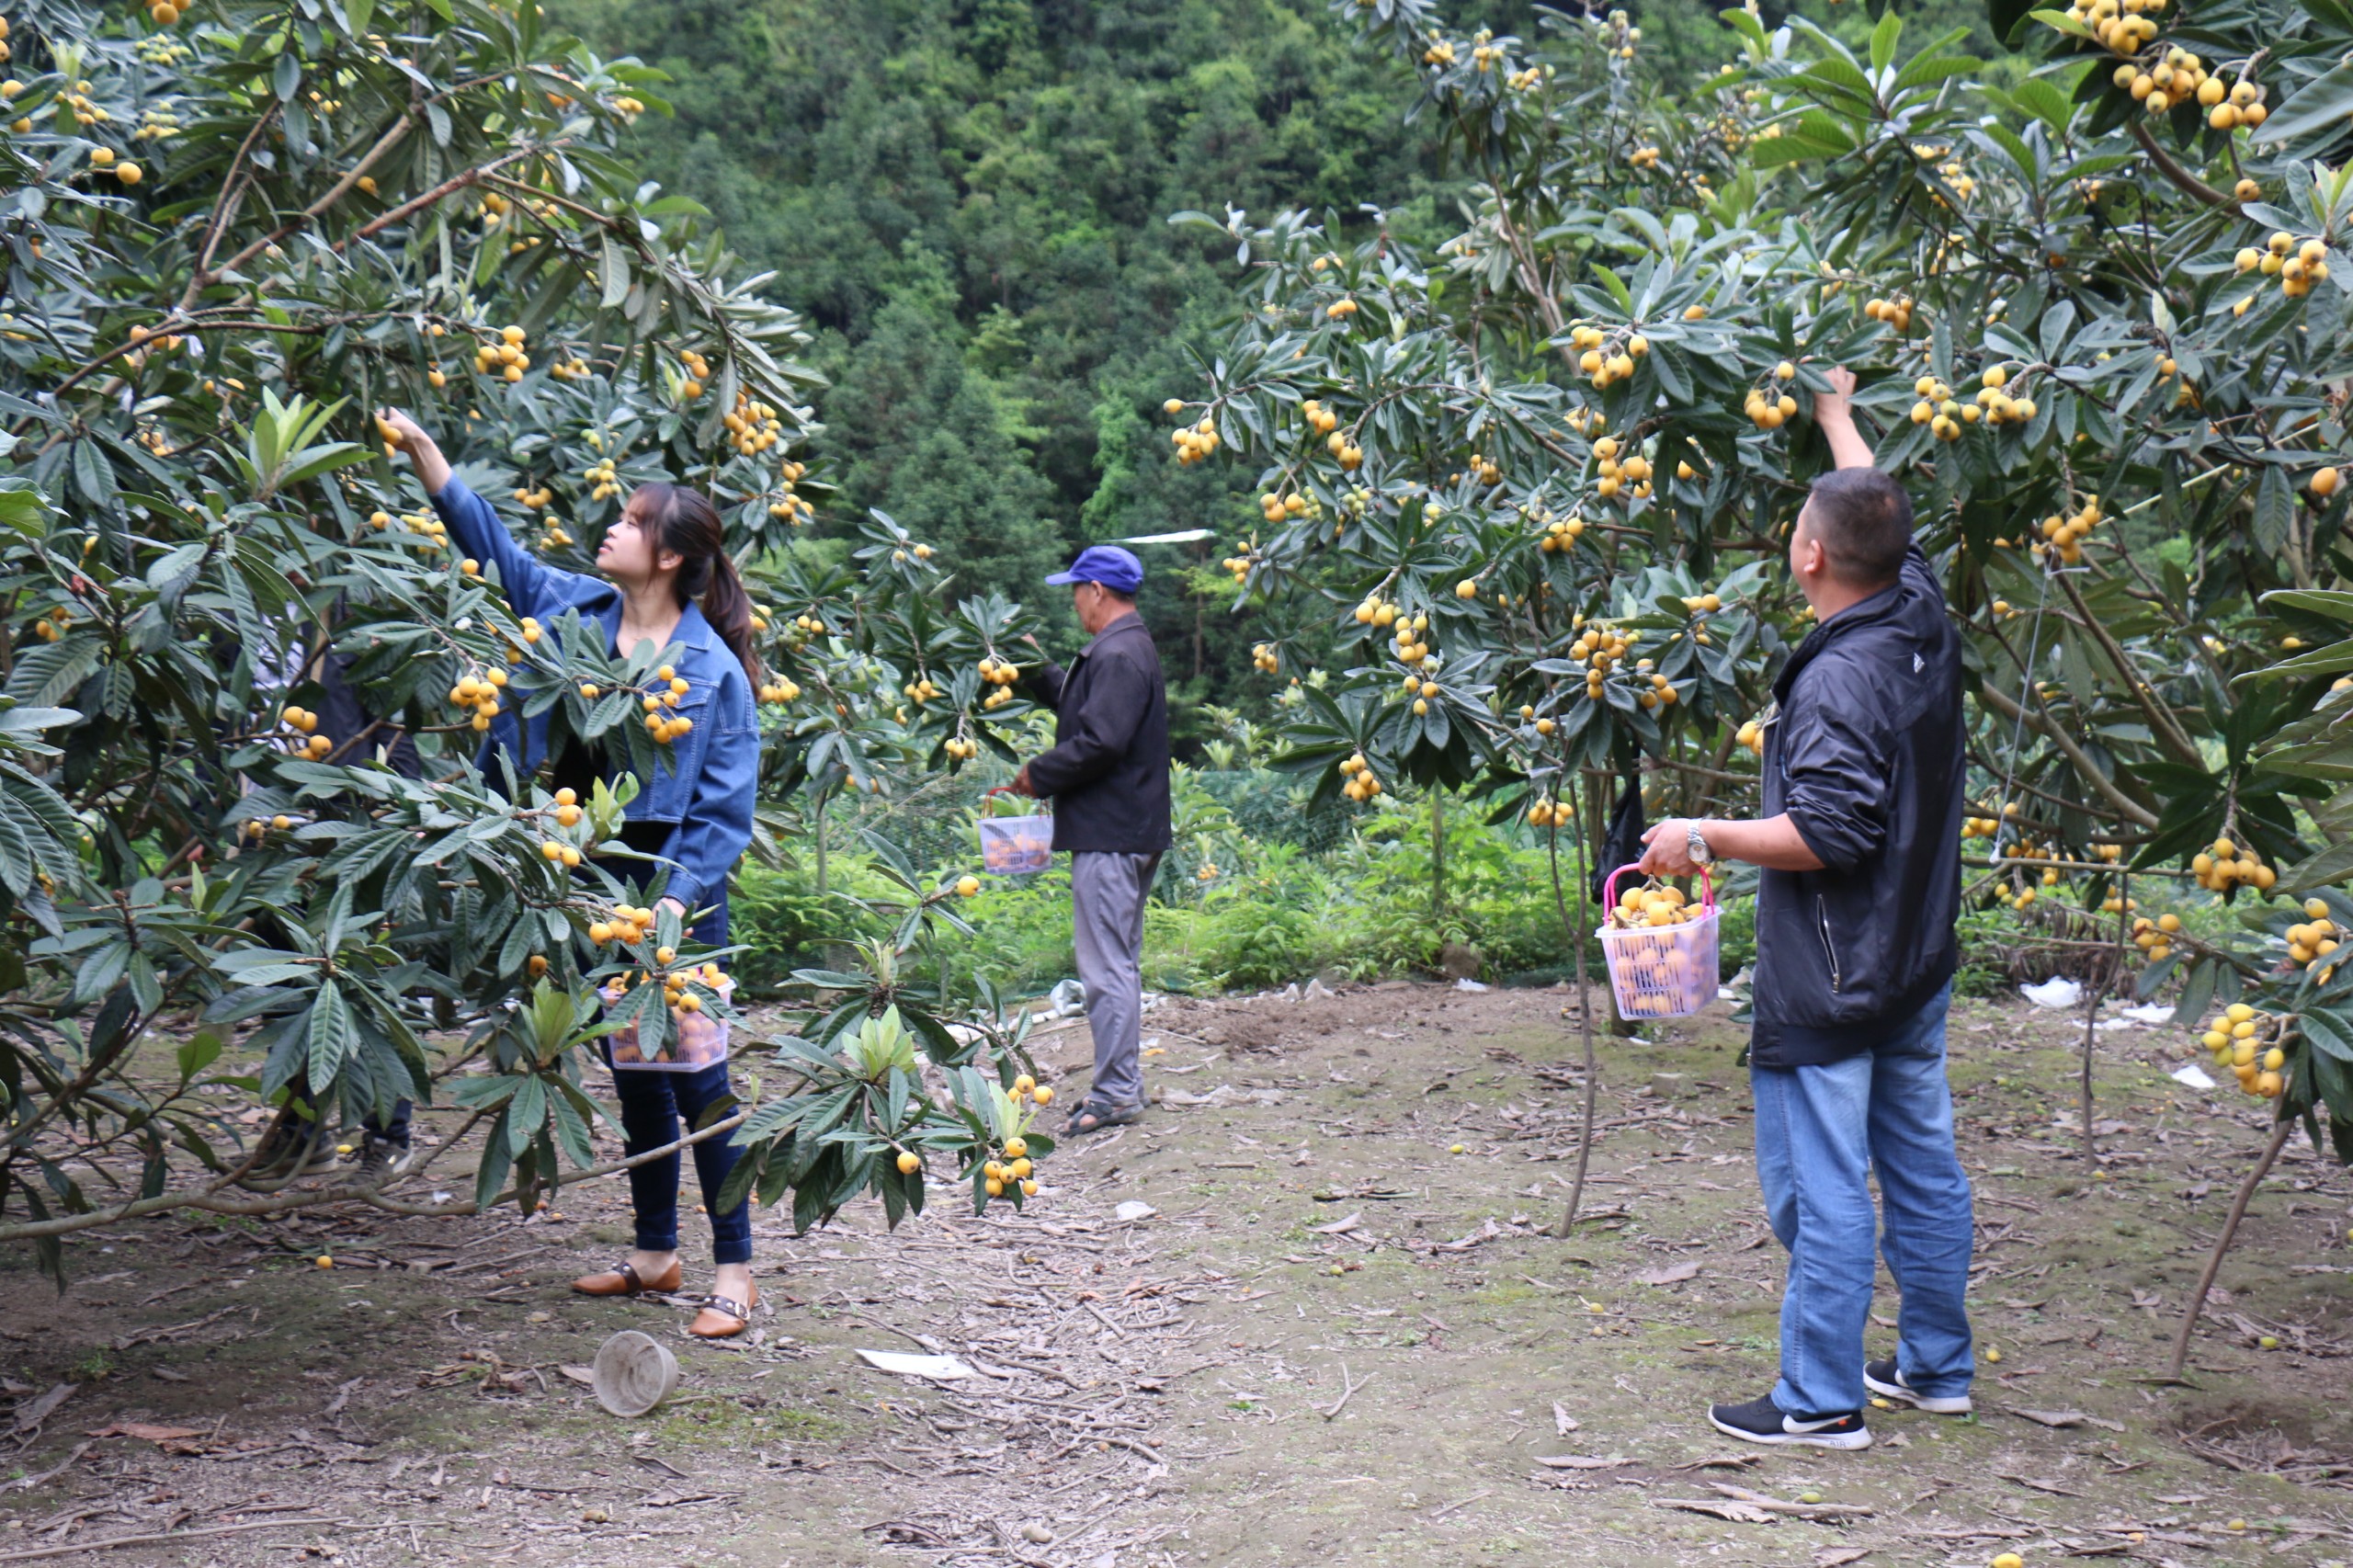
752	425
2245	1040
1768	410
479	693
2155	937
661	723
1607	357
2066	534
2298	264
628	927
502	358
2228	866
1195	442
306	723
1896	312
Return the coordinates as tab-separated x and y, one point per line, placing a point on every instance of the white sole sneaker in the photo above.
1857	1436
1896	1392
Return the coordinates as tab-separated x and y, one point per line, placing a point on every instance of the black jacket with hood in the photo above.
1864	752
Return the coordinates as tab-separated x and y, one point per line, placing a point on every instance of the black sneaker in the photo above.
1883	1379
381	1159
1762	1421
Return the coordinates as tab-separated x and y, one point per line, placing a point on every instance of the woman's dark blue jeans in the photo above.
654	1105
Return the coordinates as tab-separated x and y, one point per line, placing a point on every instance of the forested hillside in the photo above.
967	199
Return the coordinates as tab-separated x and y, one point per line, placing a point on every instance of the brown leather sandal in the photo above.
722	1318
624	1281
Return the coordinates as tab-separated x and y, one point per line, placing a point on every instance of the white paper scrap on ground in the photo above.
2154	1013
1468	985
1128	1213
2057	992
908	1366
2192	1075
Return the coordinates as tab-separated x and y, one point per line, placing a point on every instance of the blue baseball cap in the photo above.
1115	569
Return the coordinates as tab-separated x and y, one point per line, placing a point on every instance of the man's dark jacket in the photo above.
1108	772
1864	753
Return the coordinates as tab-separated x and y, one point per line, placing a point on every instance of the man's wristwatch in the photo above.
1698	844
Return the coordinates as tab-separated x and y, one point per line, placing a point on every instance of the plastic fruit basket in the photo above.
1016	847
1662	971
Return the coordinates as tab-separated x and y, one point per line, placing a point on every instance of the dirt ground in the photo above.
1334	1339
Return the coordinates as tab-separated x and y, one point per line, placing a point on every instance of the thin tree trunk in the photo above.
2222	1244
1585	1010
1437	858
1600	785
823	801
2091	1011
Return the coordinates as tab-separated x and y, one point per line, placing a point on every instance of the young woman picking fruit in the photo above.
664	578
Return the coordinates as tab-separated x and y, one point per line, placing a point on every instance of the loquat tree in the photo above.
1541	478
231	231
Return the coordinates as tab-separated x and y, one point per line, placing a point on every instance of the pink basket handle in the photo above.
1707	888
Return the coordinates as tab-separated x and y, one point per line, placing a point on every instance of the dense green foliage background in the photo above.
967	199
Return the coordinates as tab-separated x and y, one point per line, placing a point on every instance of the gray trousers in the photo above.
1107	896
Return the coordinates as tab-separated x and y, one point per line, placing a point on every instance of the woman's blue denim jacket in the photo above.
709	786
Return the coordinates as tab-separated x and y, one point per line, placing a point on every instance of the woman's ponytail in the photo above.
728	607
686	525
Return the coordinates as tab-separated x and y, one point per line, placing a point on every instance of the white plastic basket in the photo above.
1662	971
1016	847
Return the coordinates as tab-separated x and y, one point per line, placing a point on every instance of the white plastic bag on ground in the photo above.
1068	998
2057	992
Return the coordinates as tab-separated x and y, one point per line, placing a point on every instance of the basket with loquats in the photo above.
697	1038
1660	946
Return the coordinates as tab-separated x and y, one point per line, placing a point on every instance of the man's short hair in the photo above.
1864	521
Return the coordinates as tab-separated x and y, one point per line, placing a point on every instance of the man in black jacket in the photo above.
1855	949
1107	773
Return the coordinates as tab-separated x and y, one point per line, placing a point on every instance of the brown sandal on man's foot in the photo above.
723	1318
1095	1115
625	1282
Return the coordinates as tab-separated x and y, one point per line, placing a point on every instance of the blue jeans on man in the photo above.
1822	1132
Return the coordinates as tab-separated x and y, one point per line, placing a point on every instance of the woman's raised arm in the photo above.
531	588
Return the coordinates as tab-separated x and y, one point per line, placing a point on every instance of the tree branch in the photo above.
2175	173
218	1203
2125	805
2161	719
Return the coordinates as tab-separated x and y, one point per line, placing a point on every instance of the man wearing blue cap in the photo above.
1107	774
